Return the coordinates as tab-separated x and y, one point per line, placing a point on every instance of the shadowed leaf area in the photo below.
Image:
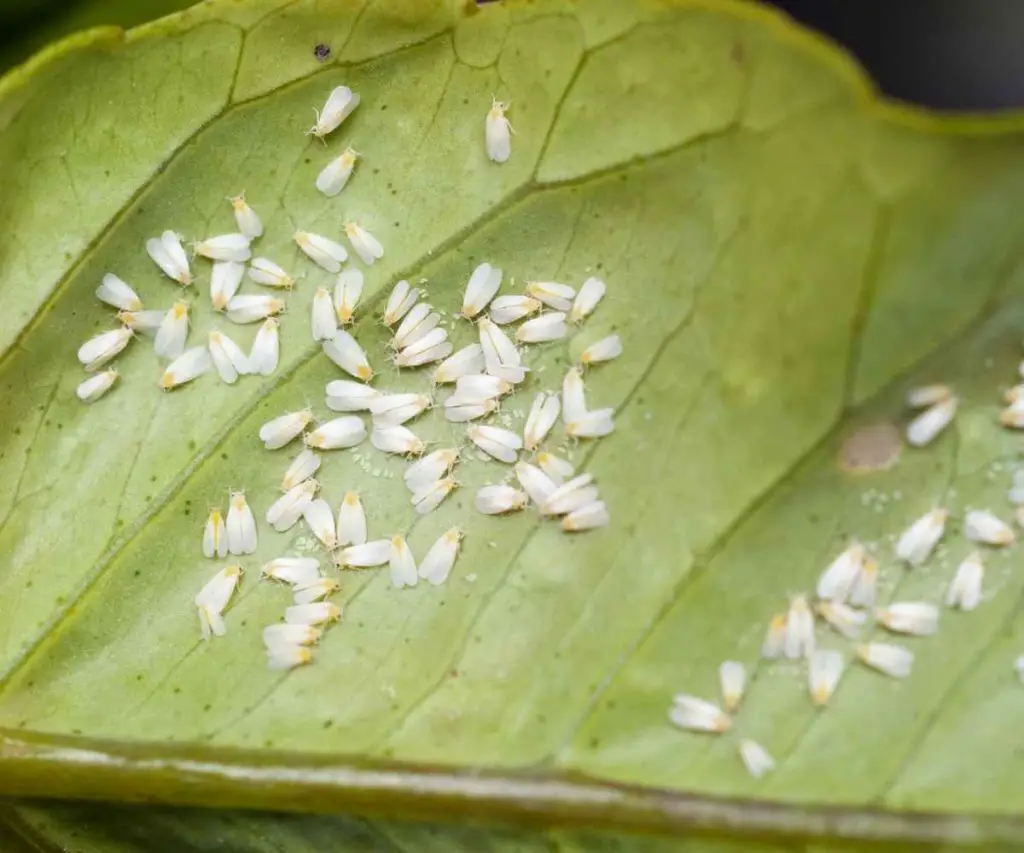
784	259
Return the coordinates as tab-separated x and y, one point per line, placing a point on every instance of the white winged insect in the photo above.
266	348
334	176
339	106
241	525
118	294
480	290
248	222
498	132
97	351
168	254
364	243
437	565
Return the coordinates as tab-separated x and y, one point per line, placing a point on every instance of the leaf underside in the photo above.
779	254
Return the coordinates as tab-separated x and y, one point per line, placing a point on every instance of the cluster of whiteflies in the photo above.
230	252
845	597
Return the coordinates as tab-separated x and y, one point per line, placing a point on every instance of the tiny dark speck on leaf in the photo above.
322	52
192	444
308	160
223	456
207	707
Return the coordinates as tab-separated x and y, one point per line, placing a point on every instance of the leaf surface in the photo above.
778	250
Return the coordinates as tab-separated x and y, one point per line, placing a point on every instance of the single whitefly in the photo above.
266	348
838	579
225	279
842	618
430	468
756	759
292	570
558	469
168	254
224	247
574	397
570	496
865	587
400	302
426	351
316	613
964	590
498	132
590	294
320	518
212	600
351	525
97	351
287	509
253	307
429	498
344	395
240	527
698	715
323	318
339	106
549	326
398	440
595	423
891	660
188	366
337	433
468	361
458	410
589	516
401	564
537	484
501	444
552	293
325	253
396	409
365	555
482	287
248	222
264	271
915	618
173	332
923	429
420	320
732	679
215	537
118	294
986	528
296	635
774	644
335	175
91	389
926	396
437	565
606	349
315	590
145	321
364	243
285	656
283	429
918	541
799	641
499	499
1013	416
480	386
344	351
512	308
824	669
501	356
347	292
303	466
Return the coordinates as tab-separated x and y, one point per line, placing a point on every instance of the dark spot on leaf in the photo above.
738	53
308	160
152	479
192	444
383	107
207	707
223	456
28	585
268	743
322	52
139	677
397	224
328	723
594	743
76	731
176	690
138	572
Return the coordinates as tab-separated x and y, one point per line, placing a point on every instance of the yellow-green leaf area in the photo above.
770	264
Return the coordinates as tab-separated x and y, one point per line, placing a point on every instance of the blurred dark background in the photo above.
948	54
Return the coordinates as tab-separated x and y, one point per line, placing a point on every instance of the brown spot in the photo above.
875	447
738	53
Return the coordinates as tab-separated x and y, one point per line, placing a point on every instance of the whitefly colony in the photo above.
844	600
482	373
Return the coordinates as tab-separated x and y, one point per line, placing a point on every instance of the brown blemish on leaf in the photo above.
874	447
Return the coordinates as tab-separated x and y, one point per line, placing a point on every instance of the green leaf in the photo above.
780	250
